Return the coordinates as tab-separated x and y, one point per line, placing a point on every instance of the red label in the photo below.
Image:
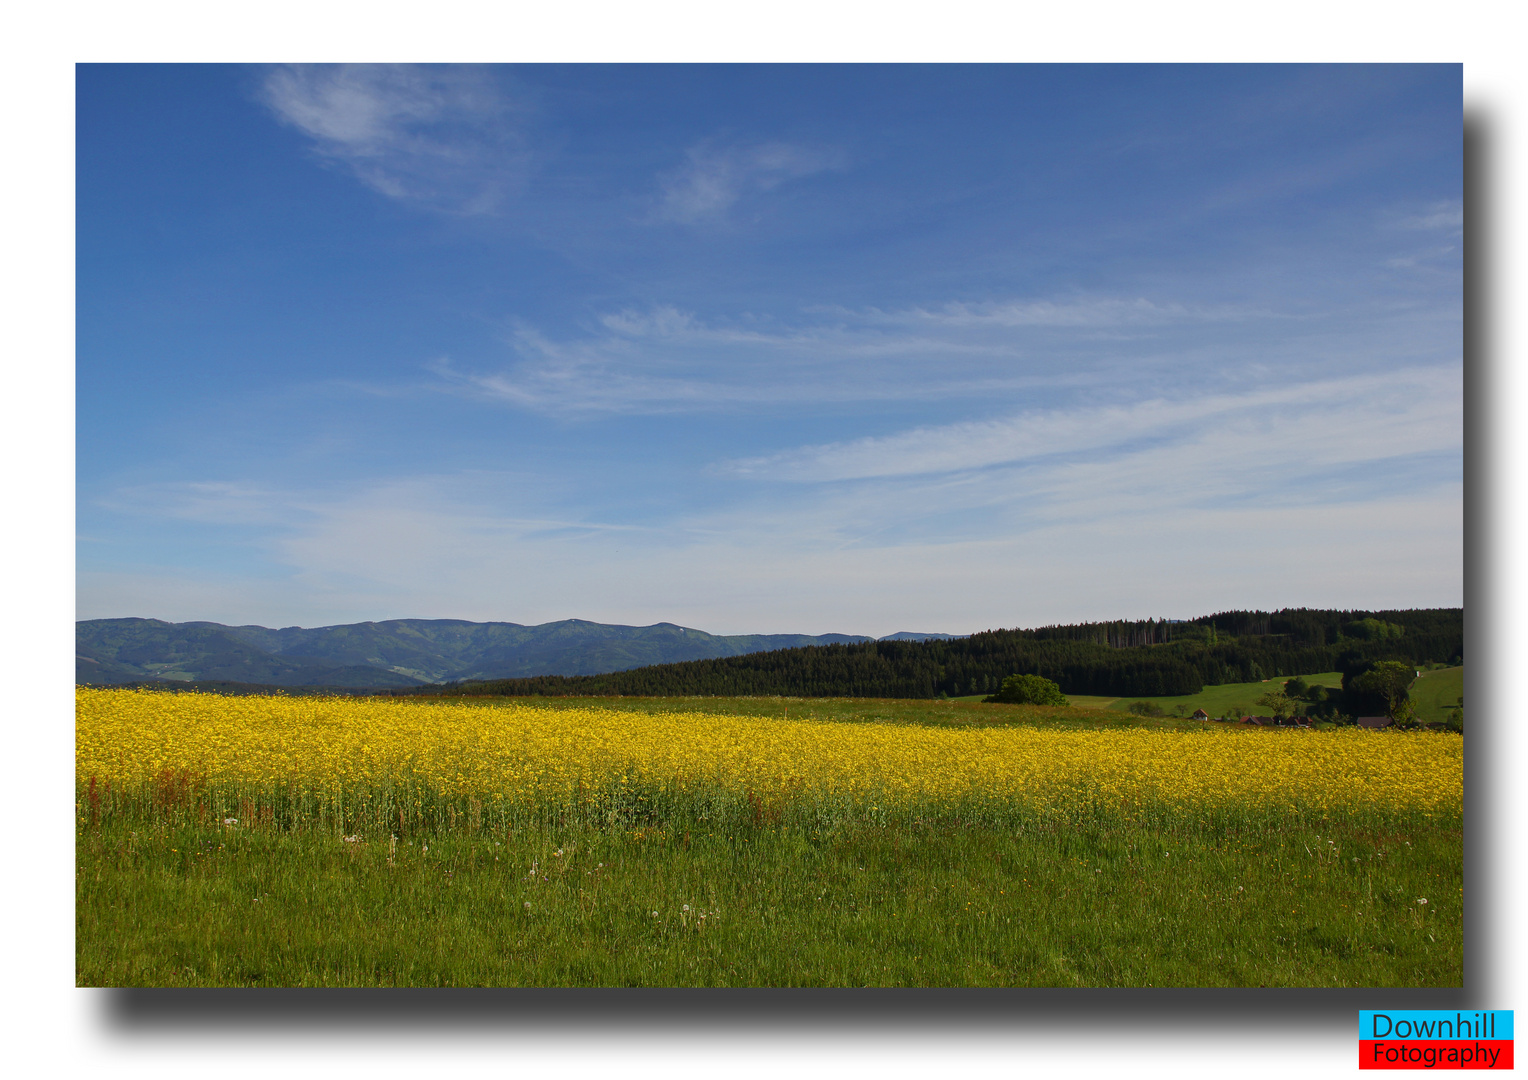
1462	1054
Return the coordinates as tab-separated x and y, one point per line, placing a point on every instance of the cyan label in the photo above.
1408	1025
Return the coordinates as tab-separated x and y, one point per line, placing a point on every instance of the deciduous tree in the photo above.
1029	690
1278	703
1391	680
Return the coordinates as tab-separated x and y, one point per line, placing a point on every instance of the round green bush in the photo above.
1029	690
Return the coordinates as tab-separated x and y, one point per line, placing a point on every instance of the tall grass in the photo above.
408	807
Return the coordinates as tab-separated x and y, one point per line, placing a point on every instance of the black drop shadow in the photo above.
1484	973
750	1011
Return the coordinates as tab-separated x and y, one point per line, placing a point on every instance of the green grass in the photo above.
906	904
1436	693
1228	699
937	712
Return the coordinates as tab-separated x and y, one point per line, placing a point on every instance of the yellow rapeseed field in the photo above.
521	754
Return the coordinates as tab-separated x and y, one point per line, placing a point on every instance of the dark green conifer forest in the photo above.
1149	658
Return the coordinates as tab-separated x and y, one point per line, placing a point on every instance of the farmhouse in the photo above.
1200	714
1375	722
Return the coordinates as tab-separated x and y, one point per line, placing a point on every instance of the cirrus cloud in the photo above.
440	136
713	179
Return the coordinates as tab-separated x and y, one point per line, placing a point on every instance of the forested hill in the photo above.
395	653
1119	659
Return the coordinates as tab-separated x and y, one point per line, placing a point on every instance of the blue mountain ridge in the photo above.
401	652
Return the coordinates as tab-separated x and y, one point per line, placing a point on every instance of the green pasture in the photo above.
1228	699
1434	694
1437	693
1111	903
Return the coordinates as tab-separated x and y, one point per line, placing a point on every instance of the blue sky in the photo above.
767	348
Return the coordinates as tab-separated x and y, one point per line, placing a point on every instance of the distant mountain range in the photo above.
402	652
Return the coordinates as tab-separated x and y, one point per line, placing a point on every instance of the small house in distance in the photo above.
1200	714
1375	722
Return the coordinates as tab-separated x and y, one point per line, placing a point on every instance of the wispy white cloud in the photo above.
713	179
565	380
1408	411
1441	259
207	502
665	361
1437	231
661	359
1337	489
412	548
246	502
1107	312
441	136
1447	215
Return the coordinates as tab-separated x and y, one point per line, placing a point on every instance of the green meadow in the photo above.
907	904
1433	695
1437	693
1229	699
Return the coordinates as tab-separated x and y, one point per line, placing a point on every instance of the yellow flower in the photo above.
375	753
